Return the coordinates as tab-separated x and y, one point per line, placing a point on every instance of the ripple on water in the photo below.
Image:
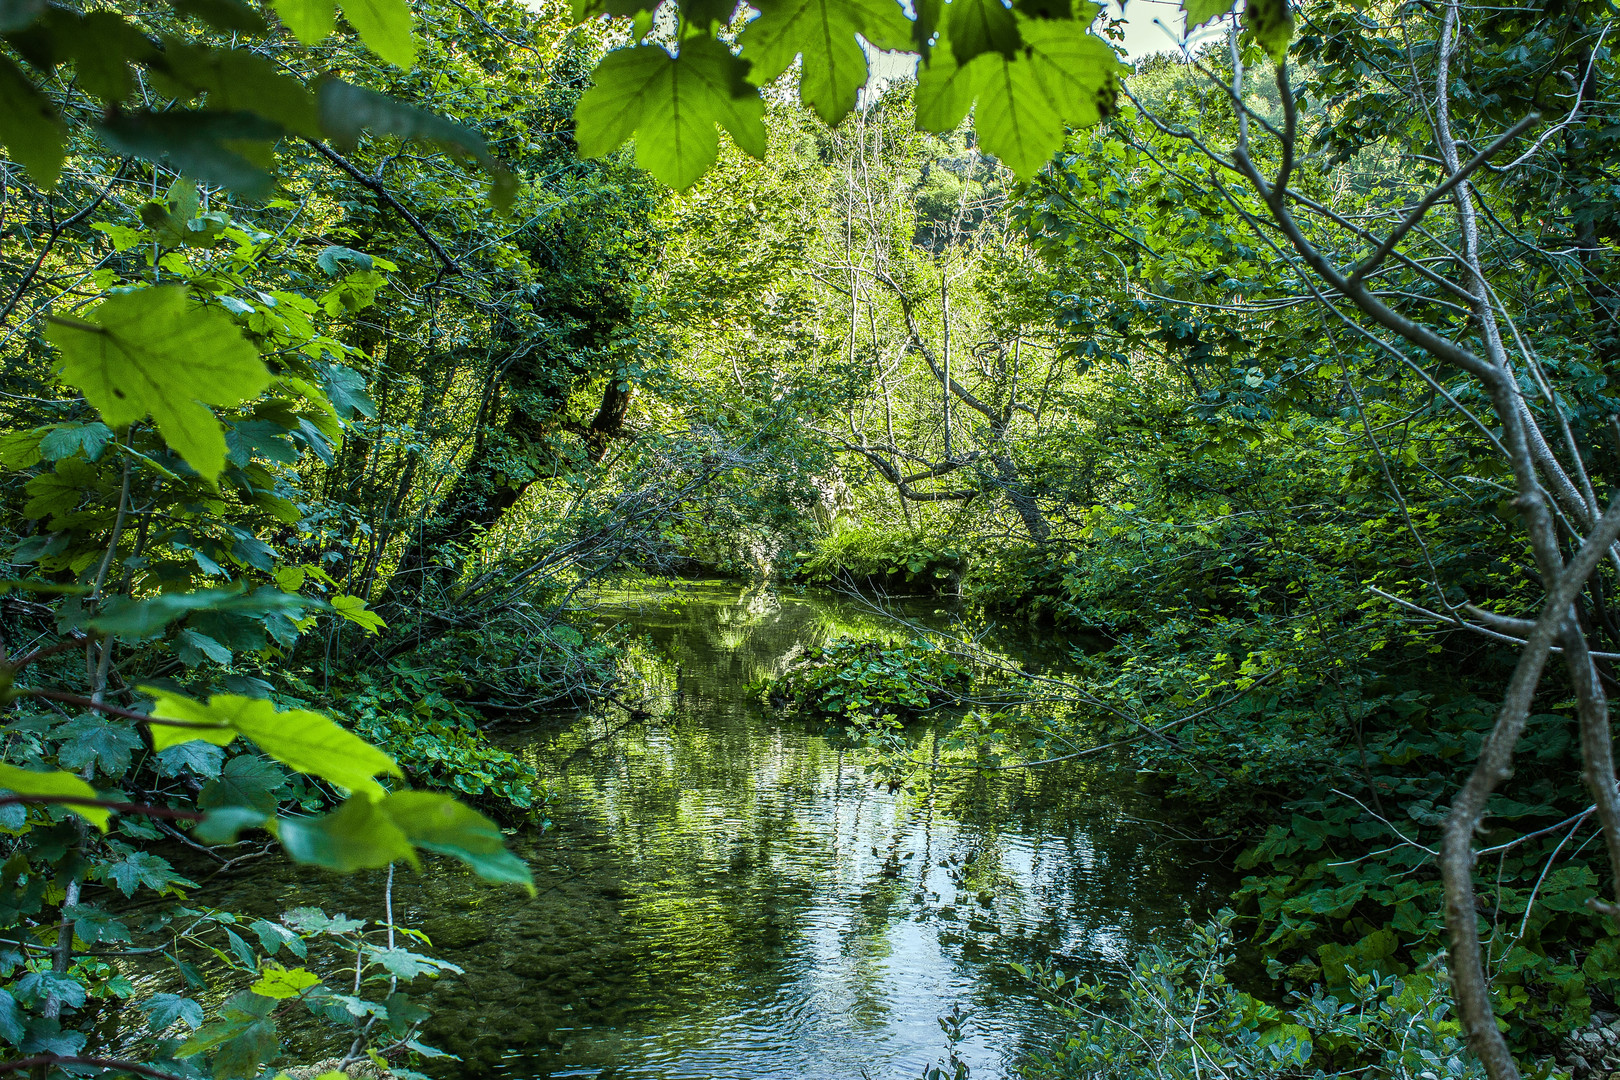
724	896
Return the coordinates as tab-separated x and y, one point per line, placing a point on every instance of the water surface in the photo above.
725	895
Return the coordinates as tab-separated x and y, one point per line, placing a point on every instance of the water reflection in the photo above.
724	896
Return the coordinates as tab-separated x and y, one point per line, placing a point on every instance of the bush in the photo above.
1180	1017
847	678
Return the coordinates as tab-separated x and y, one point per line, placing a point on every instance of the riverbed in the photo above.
725	895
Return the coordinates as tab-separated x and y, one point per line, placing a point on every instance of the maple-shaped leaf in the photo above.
153	352
1078	71
1015	119
977	27
945	91
672	105
824	33
1199	12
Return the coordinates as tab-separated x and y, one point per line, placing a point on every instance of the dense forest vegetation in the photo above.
347	362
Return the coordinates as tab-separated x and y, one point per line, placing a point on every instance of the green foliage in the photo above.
674	103
847	679
1179	1014
884	558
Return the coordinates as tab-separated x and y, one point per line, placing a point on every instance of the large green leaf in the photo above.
27	782
439	823
671	104
385	27
1077	70
309	20
945	91
976	27
152	352
239	80
823	31
231	16
1272	24
203	143
130	617
1015	119
1199	12
348	110
356	836
29	127
304	741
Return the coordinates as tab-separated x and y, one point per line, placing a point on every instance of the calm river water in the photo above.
722	895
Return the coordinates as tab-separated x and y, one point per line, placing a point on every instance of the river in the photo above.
723	895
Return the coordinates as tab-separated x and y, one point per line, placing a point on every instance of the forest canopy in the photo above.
349	360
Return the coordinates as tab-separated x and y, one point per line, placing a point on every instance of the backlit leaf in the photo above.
945	91
1015	119
26	782
304	741
281	983
200	142
152	352
976	27
385	27
1199	12
354	609
1272	24
356	836
439	823
309	20
672	105
824	32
